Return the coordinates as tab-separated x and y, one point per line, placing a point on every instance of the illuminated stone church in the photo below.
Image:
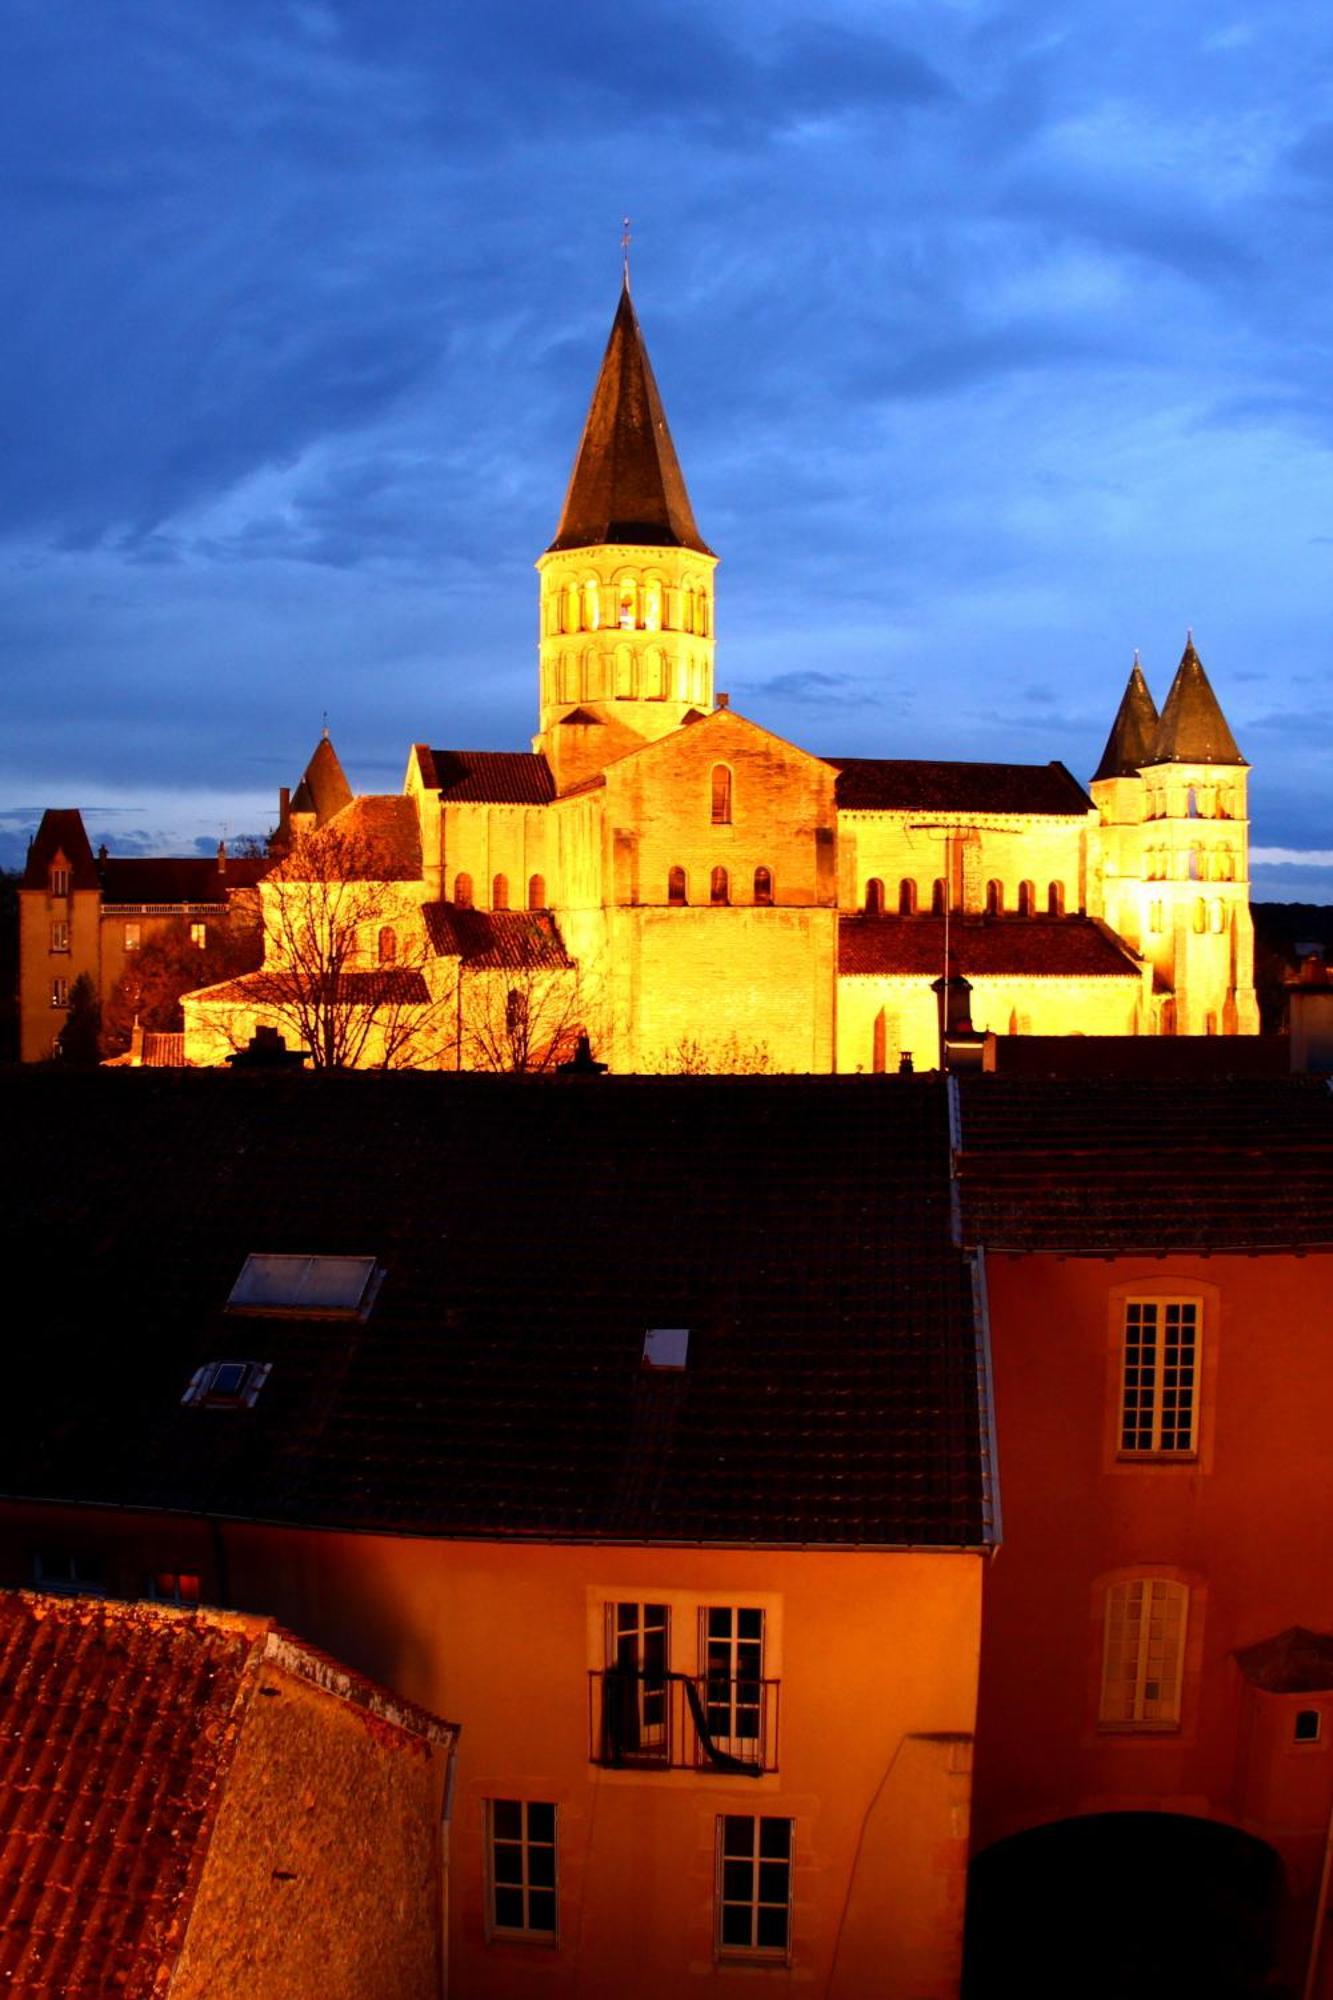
704	895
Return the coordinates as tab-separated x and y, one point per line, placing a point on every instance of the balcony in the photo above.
658	1721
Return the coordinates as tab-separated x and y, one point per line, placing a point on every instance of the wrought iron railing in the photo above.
682	1722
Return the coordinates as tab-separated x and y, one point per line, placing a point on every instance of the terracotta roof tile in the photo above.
887	784
489	777
374	839
391	986
983	947
522	939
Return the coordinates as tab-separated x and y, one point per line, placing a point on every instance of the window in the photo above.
60	937
627	605
1306	1728
170	1586
874	897
1055	899
994	899
133	937
652	604
1027	898
1155	917
199	936
60	992
68	1575
592	605
60	879
310	1287
500	893
636	1695
938	900
907	897
537	892
463	891
731	1650
676	886
763	886
520	1847
387	947
226	1385
666	1346
1160	1376
718	887
754	1855
1144	1653
721	795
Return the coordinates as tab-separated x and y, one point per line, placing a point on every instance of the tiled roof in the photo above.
323	789
1129	745
530	1232
984	947
374	839
1193	729
118	1727
526	940
388	986
489	777
1297	1661
893	784
61	832
184	878
1162	1057
1134	1164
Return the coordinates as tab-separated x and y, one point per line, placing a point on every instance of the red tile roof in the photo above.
984	947
888	784
521	939
801	1227
118	1727
492	777
374	839
391	986
1199	1164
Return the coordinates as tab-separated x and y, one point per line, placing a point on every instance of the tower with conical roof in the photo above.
626	645
1174	850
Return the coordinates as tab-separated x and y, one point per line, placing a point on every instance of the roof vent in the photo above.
666	1346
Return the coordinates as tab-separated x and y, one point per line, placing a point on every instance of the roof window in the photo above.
310	1287
666	1346
226	1385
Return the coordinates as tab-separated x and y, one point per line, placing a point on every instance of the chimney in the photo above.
136	1044
582	1062
222	857
724	701
961	1047
1310	1016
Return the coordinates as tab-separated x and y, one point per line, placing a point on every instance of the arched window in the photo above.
500	893
994	899
1192	802
624	673
721	795
676	886
938	904
763	885
463	891
1197	869
652	604
718	887
1216	919
571	607
1200	916
701	613
687	608
907	897
654	674
627	604
388	945
592	606
1143	1653
1055	899
1155	917
874	897
1027	899
536	892
569	677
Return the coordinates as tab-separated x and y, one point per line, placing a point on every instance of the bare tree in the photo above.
522	1019
727	1056
150	988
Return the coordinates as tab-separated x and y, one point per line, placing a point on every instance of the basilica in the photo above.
696	894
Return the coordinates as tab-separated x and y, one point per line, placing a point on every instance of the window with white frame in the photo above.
1144	1653
754	1862
520	1866
60	937
731	1653
59	878
1159	1382
636	1692
60	992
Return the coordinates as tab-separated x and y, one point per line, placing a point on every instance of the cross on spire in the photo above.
624	248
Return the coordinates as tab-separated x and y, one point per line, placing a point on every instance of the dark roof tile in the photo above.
894	784
984	947
524	940
489	777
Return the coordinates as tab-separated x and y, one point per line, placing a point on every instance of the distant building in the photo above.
194	1803
724	899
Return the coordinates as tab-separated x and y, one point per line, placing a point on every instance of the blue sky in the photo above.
995	340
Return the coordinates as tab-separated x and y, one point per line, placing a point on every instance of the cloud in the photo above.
813	686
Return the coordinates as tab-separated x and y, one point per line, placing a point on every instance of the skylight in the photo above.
227	1385
312	1287
666	1346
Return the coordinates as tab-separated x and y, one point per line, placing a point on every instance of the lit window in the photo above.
133	936
676	886
763	885
68	1575
520	1844
226	1385
717	886
731	1649
1144	1653
754	1856
937	897
721	795
652	604
592	606
627	605
171	1586
310	1287
60	937
994	899
666	1346
1027	898
60	992
1307	1727
199	936
635	1689
60	879
1055	899
1159	1393
500	893
387	946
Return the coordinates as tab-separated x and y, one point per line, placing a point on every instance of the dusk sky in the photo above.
996	341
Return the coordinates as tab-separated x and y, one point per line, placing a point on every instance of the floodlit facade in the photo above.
717	898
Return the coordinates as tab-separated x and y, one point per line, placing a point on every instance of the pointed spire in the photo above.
1193	729
627	485
323	789
1130	745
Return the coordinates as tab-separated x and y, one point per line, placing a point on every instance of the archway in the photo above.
1123	1906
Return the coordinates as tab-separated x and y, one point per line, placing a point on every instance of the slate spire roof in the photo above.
627	484
1193	729
1130	745
323	789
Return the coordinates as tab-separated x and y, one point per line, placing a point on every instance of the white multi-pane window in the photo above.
1144	1653
521	1887
637	1692
754	1862
731	1650
60	937
1159	1399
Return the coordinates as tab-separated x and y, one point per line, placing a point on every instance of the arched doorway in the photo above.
1123	1906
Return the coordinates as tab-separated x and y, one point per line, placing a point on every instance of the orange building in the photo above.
1155	1743
641	1424
726	900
